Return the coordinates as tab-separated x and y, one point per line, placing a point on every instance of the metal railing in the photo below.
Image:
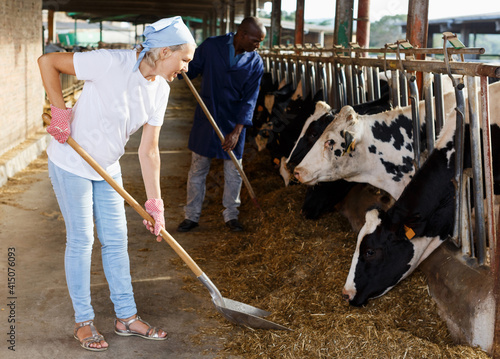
347	78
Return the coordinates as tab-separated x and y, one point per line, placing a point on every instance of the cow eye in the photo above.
371	254
329	144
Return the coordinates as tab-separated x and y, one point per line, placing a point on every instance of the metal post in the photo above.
299	23
248	8
363	24
232	6
417	27
50	23
76	40
343	22
275	37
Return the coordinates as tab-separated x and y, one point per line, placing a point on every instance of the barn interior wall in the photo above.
21	89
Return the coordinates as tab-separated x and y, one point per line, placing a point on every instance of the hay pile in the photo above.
296	268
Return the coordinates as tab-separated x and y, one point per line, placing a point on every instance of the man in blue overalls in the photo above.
231	72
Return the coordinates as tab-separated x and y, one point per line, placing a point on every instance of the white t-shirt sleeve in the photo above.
92	65
158	116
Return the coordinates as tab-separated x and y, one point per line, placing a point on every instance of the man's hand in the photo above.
232	138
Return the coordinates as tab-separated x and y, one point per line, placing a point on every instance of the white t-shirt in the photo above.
114	103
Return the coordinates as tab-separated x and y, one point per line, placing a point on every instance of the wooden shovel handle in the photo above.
131	201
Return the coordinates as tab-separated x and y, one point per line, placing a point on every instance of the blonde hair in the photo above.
153	54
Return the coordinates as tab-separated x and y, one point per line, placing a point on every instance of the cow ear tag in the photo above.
409	232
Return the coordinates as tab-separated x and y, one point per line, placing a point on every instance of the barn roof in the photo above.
135	11
479	24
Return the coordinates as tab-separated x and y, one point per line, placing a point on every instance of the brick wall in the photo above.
21	90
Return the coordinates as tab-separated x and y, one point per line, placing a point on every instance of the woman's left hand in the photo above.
155	207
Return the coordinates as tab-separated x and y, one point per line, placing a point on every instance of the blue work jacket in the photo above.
229	92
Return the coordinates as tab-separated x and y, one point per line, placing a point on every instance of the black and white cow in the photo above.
323	116
326	197
392	244
375	149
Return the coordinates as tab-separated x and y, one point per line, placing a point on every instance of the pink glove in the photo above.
155	208
59	126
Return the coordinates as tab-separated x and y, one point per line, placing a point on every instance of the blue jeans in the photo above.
200	166
81	200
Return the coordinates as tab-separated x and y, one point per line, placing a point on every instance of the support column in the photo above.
342	34
363	25
416	30
231	8
51	28
275	37
299	23
248	8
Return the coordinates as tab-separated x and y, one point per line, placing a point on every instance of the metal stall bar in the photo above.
414	99
376	83
459	140
294	73
341	86
323	80
403	89
355	85
370	88
439	101
429	111
394	85
286	71
361	85
477	169
313	86
488	170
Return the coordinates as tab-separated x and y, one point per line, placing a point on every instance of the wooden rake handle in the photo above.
221	137
131	201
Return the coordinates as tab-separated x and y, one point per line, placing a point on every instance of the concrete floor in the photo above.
32	226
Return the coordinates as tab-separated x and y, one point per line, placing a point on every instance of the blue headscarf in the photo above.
165	32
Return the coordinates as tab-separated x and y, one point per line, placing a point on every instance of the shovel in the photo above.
235	312
221	136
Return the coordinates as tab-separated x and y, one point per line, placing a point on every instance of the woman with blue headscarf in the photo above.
124	90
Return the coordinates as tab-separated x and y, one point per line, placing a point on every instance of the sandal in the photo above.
95	338
152	333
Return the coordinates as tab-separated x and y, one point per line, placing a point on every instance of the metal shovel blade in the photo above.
237	312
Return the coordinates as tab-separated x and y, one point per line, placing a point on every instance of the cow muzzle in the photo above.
348	294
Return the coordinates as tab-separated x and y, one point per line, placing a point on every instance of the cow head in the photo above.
311	131
332	150
385	254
